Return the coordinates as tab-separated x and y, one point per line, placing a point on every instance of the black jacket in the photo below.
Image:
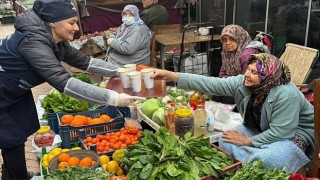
155	15
30	57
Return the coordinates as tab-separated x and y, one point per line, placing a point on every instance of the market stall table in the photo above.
176	39
159	90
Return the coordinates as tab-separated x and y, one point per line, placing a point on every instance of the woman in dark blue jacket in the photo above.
32	56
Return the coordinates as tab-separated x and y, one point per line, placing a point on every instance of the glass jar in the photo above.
44	136
184	122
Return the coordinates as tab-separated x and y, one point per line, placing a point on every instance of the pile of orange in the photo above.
81	120
65	161
114	140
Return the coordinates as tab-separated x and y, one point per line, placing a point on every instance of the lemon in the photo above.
112	166
45	164
119	172
45	157
75	148
104	159
56	151
50	156
65	150
118	155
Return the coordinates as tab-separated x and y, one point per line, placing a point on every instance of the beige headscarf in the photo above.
230	60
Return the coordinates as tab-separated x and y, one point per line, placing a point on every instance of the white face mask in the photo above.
128	20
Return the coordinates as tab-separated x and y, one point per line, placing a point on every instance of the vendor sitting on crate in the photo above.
278	120
31	56
131	43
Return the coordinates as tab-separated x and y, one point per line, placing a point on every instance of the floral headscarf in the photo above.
272	72
123	29
231	59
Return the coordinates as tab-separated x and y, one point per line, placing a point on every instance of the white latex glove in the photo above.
125	99
109	41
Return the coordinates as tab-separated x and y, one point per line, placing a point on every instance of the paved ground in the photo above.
31	158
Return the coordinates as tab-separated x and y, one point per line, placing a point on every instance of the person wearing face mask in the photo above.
278	123
154	14
31	56
131	43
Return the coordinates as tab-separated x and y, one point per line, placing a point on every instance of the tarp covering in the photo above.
100	16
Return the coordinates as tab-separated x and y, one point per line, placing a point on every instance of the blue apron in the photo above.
18	115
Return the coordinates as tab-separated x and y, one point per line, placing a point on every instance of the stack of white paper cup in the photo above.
130	67
135	81
124	77
148	82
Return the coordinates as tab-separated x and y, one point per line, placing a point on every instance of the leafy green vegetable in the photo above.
159	117
83	77
149	107
162	156
56	102
256	170
78	173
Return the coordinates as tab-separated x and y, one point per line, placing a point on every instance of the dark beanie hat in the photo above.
54	10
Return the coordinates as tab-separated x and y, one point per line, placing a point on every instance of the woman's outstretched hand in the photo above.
166	75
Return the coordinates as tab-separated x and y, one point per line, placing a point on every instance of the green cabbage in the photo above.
159	117
149	107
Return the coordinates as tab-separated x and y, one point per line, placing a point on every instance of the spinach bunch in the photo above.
83	77
257	171
78	173
56	102
162	156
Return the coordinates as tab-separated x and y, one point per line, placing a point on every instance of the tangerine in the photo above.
73	161
105	118
76	122
85	162
96	121
63	157
63	166
66	119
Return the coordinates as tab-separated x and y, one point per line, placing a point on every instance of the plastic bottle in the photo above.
167	109
200	121
195	99
171	118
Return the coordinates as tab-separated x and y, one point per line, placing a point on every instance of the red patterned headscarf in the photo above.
231	59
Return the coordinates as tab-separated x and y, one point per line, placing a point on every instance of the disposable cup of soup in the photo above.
130	67
124	77
135	81
148	82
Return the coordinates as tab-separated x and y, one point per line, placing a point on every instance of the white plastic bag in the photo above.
38	150
224	118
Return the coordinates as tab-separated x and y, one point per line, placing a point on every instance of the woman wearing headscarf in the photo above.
278	121
131	44
237	46
31	56
234	53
